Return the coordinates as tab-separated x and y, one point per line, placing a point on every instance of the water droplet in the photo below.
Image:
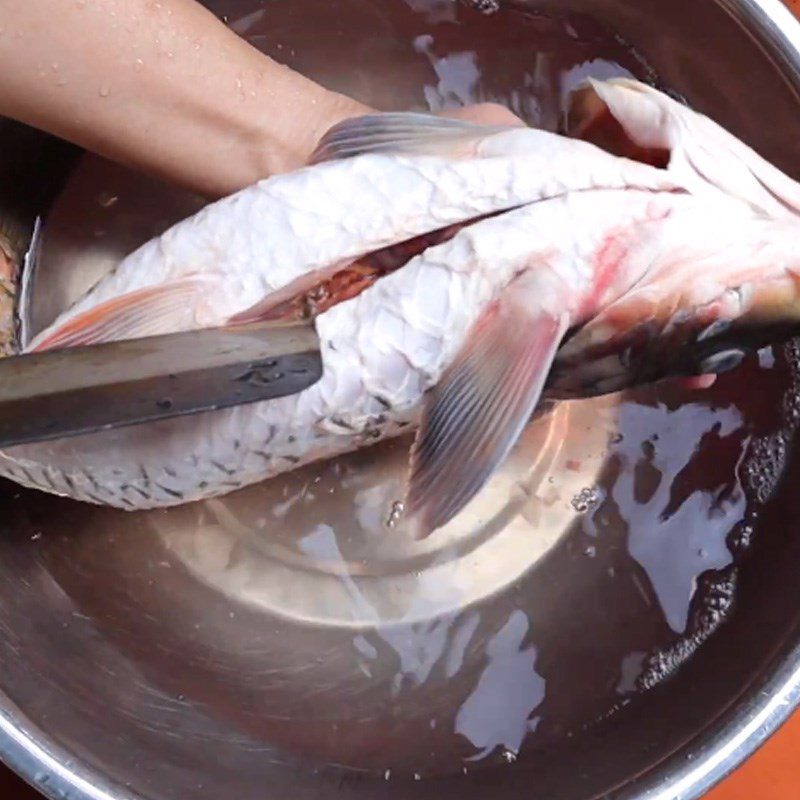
180	698
138	65
387	774
36	536
509	756
417	776
104	90
590	550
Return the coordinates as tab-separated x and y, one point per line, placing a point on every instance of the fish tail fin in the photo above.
475	414
700	153
166	308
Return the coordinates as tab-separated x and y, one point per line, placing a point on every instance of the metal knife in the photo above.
67	392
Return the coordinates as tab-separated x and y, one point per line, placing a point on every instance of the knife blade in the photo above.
79	390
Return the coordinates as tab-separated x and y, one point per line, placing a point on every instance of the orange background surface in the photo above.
773	773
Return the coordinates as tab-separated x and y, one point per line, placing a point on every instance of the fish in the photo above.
458	276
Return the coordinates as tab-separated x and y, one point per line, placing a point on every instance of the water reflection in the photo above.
677	532
498	711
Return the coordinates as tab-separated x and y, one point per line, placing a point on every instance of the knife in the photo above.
60	393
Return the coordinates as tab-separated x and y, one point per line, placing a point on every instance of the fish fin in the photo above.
401	134
475	414
701	152
166	308
30	264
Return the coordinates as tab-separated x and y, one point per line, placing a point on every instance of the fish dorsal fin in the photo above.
473	417
702	154
401	133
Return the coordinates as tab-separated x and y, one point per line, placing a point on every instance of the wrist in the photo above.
286	143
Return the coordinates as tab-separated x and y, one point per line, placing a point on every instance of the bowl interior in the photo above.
230	648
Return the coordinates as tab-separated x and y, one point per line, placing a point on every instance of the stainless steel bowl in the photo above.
201	653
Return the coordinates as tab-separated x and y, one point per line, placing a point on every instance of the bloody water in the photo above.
616	560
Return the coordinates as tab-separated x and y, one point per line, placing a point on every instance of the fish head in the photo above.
631	119
697	314
630	128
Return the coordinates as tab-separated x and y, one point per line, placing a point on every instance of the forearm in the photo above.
161	86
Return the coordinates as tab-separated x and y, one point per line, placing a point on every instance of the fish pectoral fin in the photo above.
475	414
401	134
166	308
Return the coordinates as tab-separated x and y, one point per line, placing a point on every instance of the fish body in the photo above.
554	253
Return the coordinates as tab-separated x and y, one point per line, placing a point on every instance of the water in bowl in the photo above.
596	562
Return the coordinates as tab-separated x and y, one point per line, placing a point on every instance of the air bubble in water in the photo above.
717	605
394	514
765	464
717	596
742	537
585	499
791	407
486	6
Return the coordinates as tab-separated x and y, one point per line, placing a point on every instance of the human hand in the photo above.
485	114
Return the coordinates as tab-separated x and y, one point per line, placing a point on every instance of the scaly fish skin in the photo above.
569	241
381	351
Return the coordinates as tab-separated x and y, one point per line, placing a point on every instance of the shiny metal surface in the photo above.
280	642
77	390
